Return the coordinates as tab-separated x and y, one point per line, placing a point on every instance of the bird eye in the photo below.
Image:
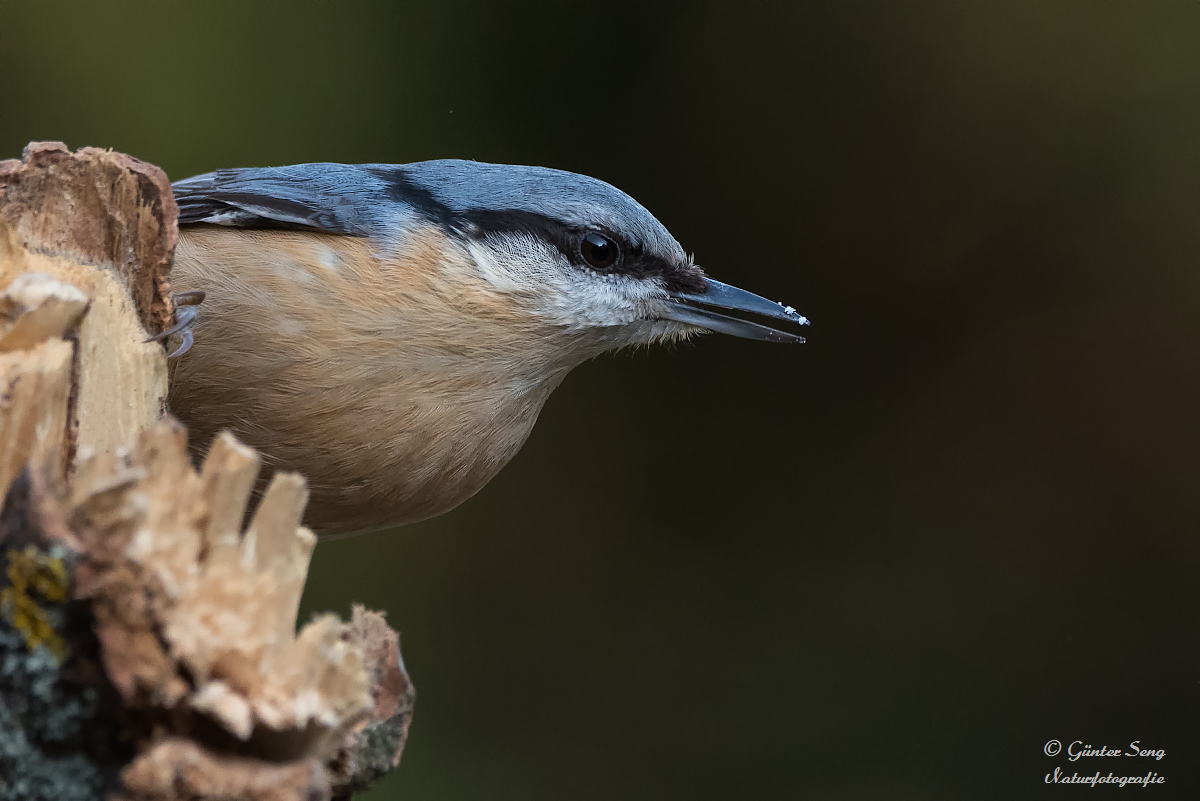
599	251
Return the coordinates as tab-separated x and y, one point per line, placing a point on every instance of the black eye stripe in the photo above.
633	261
565	239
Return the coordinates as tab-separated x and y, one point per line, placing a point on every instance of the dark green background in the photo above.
889	564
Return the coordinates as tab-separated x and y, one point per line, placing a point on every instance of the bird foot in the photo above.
186	311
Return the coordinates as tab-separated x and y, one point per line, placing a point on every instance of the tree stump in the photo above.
148	643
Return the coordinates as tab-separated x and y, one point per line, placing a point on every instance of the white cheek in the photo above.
511	270
557	292
607	300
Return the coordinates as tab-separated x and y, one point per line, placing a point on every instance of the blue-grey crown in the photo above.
574	200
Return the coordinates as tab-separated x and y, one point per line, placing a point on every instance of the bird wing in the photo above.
335	198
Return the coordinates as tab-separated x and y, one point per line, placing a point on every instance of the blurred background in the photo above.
888	564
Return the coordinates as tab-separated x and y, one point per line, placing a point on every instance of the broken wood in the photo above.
132	597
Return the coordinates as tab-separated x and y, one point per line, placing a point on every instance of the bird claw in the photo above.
186	311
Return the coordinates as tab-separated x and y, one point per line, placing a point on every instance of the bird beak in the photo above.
696	309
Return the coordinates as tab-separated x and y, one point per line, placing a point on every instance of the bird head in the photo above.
580	255
577	255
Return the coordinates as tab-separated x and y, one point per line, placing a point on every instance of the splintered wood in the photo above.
99	208
103	223
221	606
36	312
193	609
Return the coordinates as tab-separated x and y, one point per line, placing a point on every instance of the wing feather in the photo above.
335	198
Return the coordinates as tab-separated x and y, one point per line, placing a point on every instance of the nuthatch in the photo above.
392	331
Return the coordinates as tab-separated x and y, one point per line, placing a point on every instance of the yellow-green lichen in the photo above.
34	573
